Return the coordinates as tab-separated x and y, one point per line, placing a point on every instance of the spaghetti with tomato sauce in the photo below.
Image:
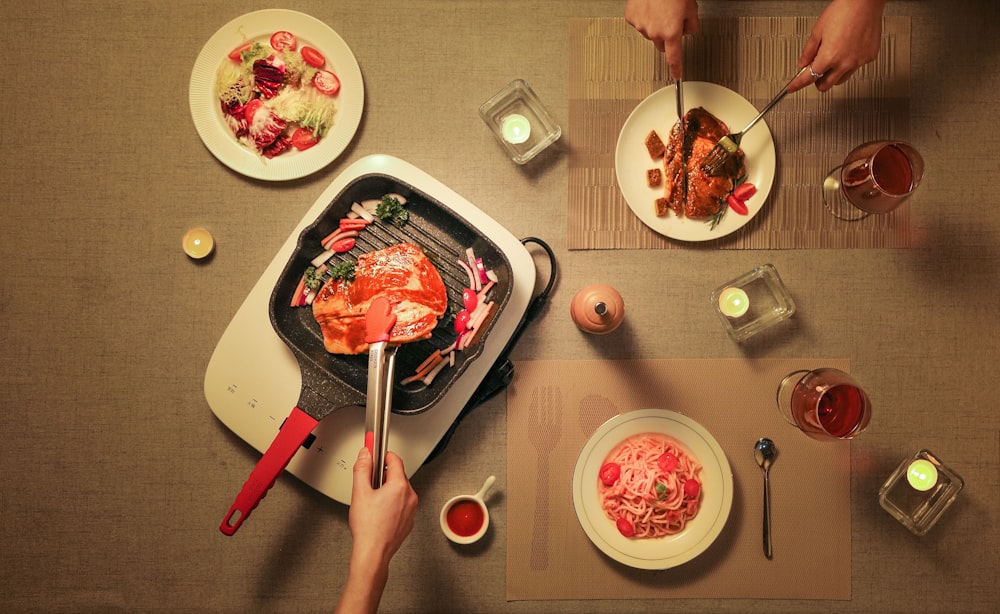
649	486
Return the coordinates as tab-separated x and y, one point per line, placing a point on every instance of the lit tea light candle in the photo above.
198	243
922	474
734	302
516	128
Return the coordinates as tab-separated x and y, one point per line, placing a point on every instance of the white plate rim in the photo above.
701	531
659	111
207	114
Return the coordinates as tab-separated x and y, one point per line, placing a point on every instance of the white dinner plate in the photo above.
700	531
207	112
659	112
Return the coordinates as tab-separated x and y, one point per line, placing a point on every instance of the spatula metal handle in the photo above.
379	322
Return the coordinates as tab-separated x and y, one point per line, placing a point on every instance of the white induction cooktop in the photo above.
253	380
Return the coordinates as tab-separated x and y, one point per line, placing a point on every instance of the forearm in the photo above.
366	579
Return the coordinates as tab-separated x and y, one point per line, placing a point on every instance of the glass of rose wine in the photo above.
876	177
826	404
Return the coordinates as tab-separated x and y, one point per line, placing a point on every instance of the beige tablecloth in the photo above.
612	69
550	557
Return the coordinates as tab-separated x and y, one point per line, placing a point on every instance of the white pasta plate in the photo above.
207	113
699	533
659	112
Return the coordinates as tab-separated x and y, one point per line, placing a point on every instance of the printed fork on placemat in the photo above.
544	428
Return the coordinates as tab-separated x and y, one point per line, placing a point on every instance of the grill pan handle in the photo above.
292	434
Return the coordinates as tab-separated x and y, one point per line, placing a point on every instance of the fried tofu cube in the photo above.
654	177
655	145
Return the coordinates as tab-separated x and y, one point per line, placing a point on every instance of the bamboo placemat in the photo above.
612	69
554	406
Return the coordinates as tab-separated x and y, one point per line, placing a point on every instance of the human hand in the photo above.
846	36
665	22
380	519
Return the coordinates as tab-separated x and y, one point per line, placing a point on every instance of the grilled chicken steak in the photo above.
403	274
705	194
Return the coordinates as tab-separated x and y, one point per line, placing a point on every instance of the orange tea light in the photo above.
198	243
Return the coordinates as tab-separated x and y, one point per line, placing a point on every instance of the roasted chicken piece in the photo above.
403	274
705	193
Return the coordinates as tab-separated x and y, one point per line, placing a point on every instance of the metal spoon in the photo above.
764	451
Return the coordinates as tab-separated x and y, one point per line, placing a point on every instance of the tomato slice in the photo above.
282	40
251	108
312	57
236	55
303	139
326	82
692	488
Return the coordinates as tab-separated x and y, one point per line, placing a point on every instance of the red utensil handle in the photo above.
290	437
379	320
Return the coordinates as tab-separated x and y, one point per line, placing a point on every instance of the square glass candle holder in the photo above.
520	121
752	302
919	491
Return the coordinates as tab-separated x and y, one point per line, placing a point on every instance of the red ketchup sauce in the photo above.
465	518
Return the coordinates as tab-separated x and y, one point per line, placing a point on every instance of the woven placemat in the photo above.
612	69
553	408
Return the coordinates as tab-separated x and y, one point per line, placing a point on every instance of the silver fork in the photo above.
730	144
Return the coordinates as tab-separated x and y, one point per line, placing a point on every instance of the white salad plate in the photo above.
659	112
699	533
206	110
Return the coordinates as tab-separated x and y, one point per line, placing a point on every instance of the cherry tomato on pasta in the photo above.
692	488
667	462
610	473
625	527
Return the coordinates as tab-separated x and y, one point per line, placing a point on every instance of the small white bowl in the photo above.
471	506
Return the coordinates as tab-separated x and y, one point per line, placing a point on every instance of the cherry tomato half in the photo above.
744	191
462	321
251	108
326	82
236	55
343	245
610	473
312	57
737	205
692	488
470	299
667	462
625	527
282	40
303	139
